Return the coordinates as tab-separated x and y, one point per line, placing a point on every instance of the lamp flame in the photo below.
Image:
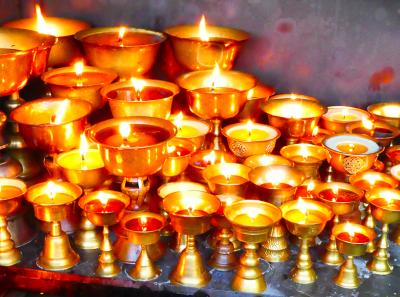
315	131
367	123
103	198
59	115
216	77
335	189
203	29
78	67
143	223
125	130
302	206
250	94
178	120
210	158
41	25
84	147
121	33
276	177
304	152
138	85
350	228
51	189
249	127
310	186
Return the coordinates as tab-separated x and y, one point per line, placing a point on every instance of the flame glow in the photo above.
216	77
304	151
58	116
228	172
51	189
121	33
302	206
275	177
143	223
335	189
367	124
345	113
350	228
250	94
311	186
249	127
178	120
78	67
84	147
315	131
138	85
103	198
203	29
210	158
41	25
125	130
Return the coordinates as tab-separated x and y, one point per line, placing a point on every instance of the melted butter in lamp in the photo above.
190	212
73	160
228	180
108	206
186	131
9	191
301	215
353	237
177	151
352	148
339	195
367	185
276	186
70	79
253	219
390	204
53	194
248	132
187	128
128	38
144	224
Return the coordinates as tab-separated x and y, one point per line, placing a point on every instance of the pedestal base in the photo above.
276	248
144	269
347	276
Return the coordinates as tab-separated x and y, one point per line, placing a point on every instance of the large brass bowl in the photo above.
67	49
121	105
384	214
352	249
388	112
214	106
133	161
21	55
193	54
10	203
128	60
34	122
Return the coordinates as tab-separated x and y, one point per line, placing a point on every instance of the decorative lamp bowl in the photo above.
388	112
367	180
52	124
338	117
134	56
382	132
143	237
385	203
175	163
223	46
393	153
351	248
156	102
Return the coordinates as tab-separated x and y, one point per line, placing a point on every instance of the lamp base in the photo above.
347	276
144	269
303	272
379	264
178	242
9	255
213	239
276	248
332	255
223	258
396	235
87	237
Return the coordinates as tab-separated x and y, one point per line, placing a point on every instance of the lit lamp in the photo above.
222	239
178	242
133	140
197	47
227	178
112	47
352	240
143	229
317	136
11	193
105	208
388	112
382	132
266	160
52	125
385	203
393	153
52	201
247	139
295	117
79	82
201	159
343	199
338	117
179	153
85	168
276	184
209	92
140	97
367	181
66	49
251	221
190	213
305	219
307	189
306	157
351	153
191	128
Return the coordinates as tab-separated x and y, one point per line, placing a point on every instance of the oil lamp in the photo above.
252	108
112	47
143	229
306	157
200	47
305	219
52	201
105	208
79	82
385	203
382	132
201	159
247	139
178	242
191	128
85	168
179	154
343	199
352	241
367	181
266	160
251	221
11	193
317	136
338	117
140	97
227	178
66	49
307	189
222	239
209	92
133	140
393	153
351	153
295	117
388	112
276	184
190	213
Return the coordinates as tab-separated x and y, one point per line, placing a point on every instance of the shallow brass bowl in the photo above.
10	204
33	120
380	112
340	126
143	237
193	54
383	214
352	249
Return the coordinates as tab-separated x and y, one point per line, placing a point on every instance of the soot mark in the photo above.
382	77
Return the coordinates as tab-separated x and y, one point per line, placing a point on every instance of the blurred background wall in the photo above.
340	51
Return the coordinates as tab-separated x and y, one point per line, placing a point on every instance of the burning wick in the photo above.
302	208
315	131
121	34
249	127
83	148
124	130
216	74
210	158
335	191
178	121
143	223
369	125
41	25
138	86
103	199
345	113
203	29
78	71
51	190
310	186
57	118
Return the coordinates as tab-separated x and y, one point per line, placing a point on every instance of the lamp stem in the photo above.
303	272
380	258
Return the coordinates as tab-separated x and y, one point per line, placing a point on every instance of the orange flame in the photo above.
138	85
125	130
210	158
203	29
350	228
84	147
121	33
315	131
310	186
143	223
178	120
302	206
216	77
41	25
367	123
103	198
51	189
250	93
78	67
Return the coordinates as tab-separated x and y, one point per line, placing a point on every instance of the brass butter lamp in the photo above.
190	213
52	201
251	221
388	112
105	208
351	240
305	219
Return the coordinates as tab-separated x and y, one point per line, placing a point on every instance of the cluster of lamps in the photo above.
219	167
